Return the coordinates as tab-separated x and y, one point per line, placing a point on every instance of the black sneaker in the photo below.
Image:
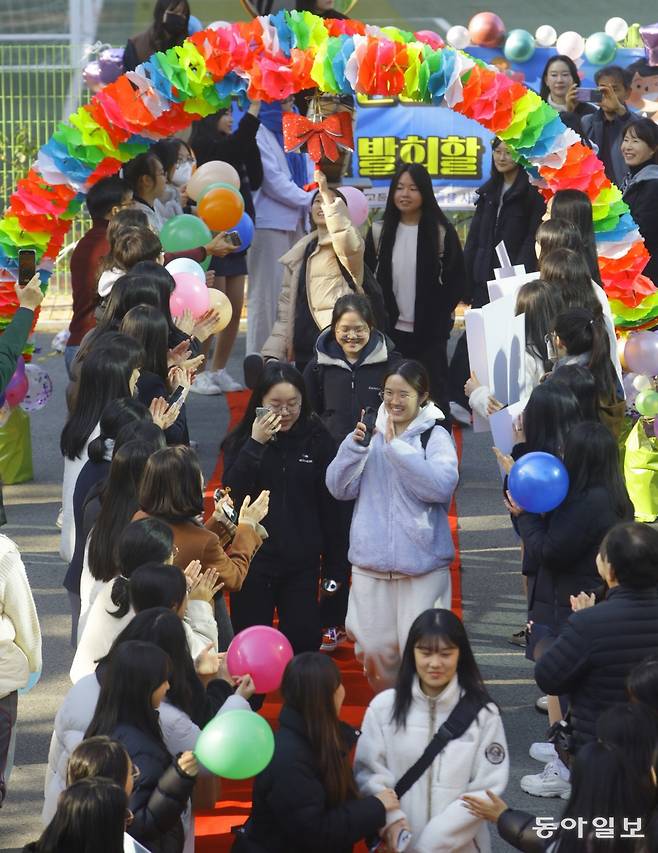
519	638
253	367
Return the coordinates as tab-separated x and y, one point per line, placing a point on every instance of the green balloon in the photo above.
217	185
236	745
600	49
646	403
184	232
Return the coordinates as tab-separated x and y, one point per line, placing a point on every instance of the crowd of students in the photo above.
333	516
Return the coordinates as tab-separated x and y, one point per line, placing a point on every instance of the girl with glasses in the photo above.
402	479
281	446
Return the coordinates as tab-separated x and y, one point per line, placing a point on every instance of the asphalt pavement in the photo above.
493	604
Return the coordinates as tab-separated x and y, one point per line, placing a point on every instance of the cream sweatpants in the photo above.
381	608
264	282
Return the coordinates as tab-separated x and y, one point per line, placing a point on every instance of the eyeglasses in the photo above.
276	409
355	332
388	395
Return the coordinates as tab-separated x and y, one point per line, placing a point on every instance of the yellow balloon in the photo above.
220	302
621	344
214	171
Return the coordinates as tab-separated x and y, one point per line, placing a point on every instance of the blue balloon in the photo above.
194	25
538	482
245	229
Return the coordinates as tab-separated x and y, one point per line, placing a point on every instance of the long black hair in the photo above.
541	304
104	376
117	414
581	382
642	681
431	214
567	271
632	728
143	541
148	326
118	505
591	457
431	628
602	783
575	206
274	373
162	627
557	234
309	683
171	487
90	818
98	756
580	332
550	414
133	672
157	585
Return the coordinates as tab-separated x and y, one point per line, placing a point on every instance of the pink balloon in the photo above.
432	39
17	387
357	205
261	652
641	353
190	293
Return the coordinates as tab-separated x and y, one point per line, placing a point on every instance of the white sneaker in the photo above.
551	782
60	518
542	704
204	384
460	414
544	752
224	381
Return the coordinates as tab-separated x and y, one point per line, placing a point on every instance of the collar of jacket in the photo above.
623	591
646	173
446	700
377	350
291	719
426	418
492	188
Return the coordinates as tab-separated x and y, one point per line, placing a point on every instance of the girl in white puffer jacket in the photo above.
438	668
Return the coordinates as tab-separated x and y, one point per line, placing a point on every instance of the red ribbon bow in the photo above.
322	138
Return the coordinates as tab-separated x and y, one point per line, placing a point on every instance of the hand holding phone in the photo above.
27	266
177	397
266	425
368	419
233	237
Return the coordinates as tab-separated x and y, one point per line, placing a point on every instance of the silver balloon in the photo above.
39	389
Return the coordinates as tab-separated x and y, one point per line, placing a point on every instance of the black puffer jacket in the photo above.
560	551
641	195
516	224
338	390
290	812
302	517
160	795
594	653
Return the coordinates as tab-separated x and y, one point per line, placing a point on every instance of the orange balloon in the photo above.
221	209
219	301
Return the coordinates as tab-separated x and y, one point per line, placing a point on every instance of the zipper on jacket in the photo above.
429	780
284	456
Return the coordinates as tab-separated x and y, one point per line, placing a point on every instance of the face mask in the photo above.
175	23
182	174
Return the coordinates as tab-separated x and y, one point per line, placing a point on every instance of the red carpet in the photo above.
213	828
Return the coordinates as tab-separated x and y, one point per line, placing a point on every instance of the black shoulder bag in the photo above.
461	717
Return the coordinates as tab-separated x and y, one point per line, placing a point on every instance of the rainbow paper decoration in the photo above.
272	57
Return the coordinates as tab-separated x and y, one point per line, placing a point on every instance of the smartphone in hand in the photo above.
263	412
369	418
177	398
233	238
27	266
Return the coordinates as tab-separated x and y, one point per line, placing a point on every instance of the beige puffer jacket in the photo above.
325	283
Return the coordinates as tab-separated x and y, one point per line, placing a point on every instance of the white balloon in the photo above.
641	382
570	44
186	265
458	37
546	35
218	25
617	28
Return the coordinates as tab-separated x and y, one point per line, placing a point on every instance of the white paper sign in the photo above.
502	429
509	285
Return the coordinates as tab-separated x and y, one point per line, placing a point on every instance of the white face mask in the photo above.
182	174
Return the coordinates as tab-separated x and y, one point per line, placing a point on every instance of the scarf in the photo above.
272	118
432	316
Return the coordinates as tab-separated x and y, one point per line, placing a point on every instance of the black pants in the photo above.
460	372
333	608
434	356
293	594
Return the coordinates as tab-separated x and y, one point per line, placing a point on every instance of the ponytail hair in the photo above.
582	331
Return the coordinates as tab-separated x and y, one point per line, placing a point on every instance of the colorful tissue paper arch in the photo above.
272	57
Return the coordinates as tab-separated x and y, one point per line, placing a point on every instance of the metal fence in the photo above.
38	86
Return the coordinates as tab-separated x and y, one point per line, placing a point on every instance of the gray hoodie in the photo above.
402	494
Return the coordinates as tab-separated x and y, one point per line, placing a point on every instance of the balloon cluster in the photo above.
239	744
486	29
30	388
639	353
